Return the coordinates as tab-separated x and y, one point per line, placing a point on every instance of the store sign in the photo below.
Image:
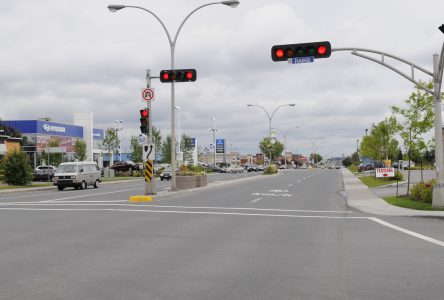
220	146
52	128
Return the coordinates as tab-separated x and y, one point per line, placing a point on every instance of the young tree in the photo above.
111	142
166	150
315	157
80	150
414	121
274	149
157	140
186	147
137	150
17	169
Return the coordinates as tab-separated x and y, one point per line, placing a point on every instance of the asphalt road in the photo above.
289	236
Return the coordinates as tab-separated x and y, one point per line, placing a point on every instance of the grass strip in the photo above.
409	203
371	181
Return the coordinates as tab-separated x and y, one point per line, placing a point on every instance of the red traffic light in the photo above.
182	75
314	50
144	113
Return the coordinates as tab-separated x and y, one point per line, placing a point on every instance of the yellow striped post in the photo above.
148	170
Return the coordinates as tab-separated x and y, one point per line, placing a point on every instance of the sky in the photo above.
59	57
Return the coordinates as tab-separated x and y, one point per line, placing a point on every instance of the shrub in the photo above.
189	170
398	175
423	192
17	169
271	169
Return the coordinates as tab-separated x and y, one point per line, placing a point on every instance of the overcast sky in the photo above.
58	57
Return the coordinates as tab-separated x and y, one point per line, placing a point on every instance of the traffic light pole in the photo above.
438	66
150	186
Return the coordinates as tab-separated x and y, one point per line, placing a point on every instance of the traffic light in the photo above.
316	50
178	75
144	121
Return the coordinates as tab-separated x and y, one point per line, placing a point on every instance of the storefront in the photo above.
38	135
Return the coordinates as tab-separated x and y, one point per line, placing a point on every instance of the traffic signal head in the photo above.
285	52
178	75
144	121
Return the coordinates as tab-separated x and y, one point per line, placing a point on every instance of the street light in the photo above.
285	142
270	117
214	129
119	127
172	44
178	108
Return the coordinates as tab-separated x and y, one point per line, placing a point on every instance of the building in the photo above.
37	134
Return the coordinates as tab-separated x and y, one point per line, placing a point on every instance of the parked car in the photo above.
260	167
366	167
77	175
252	168
125	166
234	169
282	167
45	173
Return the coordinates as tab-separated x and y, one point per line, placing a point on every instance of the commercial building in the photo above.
37	135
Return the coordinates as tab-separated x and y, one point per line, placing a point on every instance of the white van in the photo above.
77	175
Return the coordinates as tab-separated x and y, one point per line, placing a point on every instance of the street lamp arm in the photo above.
263	108
272	114
440	71
158	19
187	17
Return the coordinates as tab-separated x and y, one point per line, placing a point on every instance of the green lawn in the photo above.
371	181
120	178
408	203
6	187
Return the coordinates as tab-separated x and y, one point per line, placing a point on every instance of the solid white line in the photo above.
76	203
85	196
255	200
291	184
176	212
409	232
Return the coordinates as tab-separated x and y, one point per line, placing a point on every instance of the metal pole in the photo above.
438	189
214	138
150	186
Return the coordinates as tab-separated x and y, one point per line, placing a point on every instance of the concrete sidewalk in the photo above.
360	197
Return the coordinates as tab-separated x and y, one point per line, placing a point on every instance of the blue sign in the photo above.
302	60
193	142
45	127
220	146
98	134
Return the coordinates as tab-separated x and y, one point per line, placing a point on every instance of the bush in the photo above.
189	170
17	169
423	192
271	169
398	175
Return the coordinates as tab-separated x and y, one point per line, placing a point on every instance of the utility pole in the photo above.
150	184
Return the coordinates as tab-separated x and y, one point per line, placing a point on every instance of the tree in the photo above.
166	150
157	139
355	158
53	159
414	121
274	149
136	150
186	147
111	142
80	150
315	157
17	169
381	143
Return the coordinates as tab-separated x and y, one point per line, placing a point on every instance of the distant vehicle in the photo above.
166	174
366	167
404	164
338	166
45	173
282	167
260	167
125	166
77	175
252	168
234	169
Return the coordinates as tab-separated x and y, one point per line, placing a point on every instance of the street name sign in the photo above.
301	60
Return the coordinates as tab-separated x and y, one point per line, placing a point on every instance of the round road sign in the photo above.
148	94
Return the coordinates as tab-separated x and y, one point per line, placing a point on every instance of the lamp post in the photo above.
285	142
178	109
172	43
119	127
270	117
214	129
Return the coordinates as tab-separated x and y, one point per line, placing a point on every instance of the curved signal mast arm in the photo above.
411	78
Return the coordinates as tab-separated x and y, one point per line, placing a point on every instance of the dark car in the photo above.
165	174
252	168
45	173
367	167
125	166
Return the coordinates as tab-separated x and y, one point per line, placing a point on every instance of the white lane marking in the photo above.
299	181
85	196
176	212
74	203
291	184
55	192
409	232
255	200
